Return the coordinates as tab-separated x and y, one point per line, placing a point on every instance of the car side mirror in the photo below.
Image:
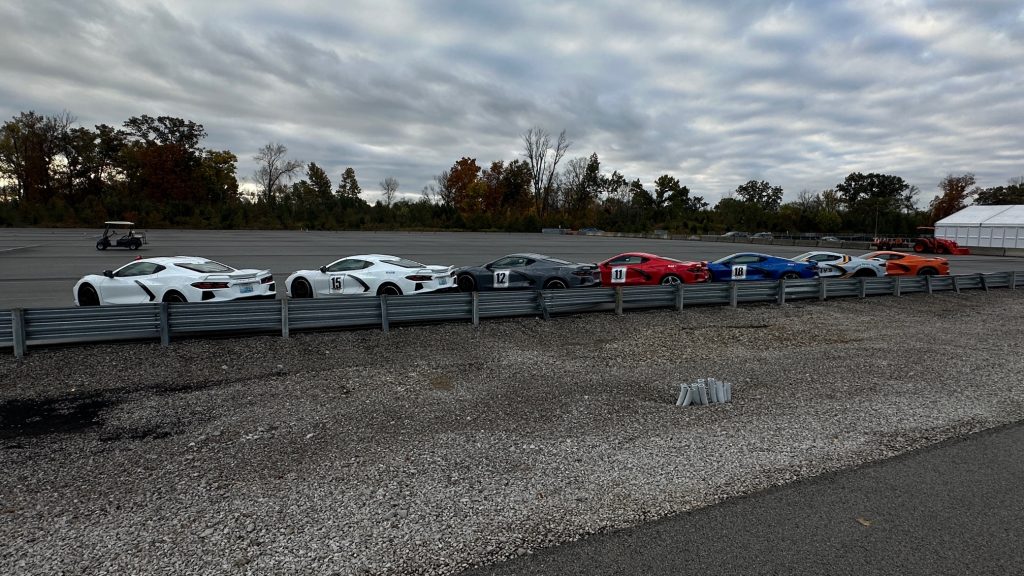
323	269
488	267
108	273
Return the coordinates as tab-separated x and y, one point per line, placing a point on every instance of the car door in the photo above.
507	273
626	270
338	279
743	267
132	283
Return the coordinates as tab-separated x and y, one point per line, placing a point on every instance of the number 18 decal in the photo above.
618	274
335	283
501	278
739	272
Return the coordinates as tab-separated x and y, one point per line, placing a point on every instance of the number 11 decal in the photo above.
618	275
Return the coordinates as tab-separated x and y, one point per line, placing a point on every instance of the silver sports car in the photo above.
836	265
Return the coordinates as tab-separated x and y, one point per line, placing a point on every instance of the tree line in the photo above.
156	172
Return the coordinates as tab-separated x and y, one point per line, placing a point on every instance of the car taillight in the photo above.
209	285
419	278
266	280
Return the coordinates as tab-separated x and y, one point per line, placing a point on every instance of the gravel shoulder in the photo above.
435	448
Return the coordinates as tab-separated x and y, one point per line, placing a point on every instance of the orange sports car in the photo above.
903	264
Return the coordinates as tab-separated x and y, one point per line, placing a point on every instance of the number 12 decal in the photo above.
618	275
739	272
501	278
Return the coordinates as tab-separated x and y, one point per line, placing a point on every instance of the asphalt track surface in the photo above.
39	267
955	508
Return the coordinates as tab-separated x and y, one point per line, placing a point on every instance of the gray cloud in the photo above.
714	92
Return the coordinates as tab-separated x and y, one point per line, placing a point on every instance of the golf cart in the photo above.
129	238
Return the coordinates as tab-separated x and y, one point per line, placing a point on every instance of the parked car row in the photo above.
194	279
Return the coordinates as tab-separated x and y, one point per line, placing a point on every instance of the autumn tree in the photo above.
956	192
274	169
760	194
1012	193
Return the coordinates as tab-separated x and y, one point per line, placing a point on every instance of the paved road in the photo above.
954	509
38	267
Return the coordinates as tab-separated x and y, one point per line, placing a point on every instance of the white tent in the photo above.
985	226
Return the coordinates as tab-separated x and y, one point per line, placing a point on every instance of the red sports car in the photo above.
640	268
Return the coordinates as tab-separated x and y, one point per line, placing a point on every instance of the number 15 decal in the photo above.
335	283
618	275
739	272
501	278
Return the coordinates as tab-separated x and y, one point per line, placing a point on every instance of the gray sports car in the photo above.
525	271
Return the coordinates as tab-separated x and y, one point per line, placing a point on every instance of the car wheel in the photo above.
466	283
301	288
136	244
865	273
176	297
671	280
926	271
87	296
101	245
555	284
790	276
389	290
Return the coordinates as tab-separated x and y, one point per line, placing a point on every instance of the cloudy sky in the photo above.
714	92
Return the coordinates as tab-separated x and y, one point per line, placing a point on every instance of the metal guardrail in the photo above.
22	328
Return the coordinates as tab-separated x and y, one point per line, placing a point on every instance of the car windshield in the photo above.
208	267
404	263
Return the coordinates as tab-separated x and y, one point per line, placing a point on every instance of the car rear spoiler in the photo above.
237	275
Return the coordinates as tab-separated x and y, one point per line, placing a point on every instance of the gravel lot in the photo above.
436	448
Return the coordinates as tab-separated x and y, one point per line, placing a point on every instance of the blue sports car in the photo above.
754	266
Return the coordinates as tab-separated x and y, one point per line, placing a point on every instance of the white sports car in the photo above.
836	265
172	279
370	274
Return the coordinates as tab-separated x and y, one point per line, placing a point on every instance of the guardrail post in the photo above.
956	284
284	318
618	300
18	329
384	313
1013	280
734	298
863	287
822	290
543	305
928	283
476	308
896	286
782	291
165	324
984	281
679	297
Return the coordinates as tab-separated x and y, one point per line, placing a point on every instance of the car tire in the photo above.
101	245
87	296
671	280
555	284
175	297
865	273
389	290
301	288
135	245
465	283
790	276
927	271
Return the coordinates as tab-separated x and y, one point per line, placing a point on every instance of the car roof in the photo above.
167	260
533	255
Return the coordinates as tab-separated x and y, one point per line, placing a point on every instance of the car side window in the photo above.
624	260
510	262
745	260
348	264
824	258
138	269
